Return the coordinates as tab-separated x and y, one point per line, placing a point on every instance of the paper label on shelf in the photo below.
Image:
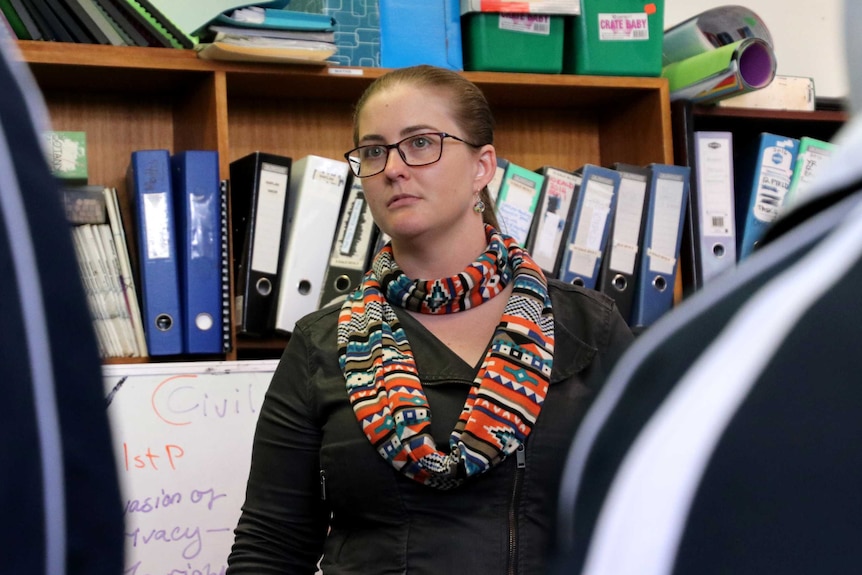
623	27
527	23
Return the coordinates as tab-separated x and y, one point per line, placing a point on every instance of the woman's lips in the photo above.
400	199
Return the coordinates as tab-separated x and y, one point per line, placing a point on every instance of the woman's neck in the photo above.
432	258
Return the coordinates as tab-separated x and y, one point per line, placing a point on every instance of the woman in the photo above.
348	462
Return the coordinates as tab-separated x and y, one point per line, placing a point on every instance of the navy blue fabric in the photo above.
93	511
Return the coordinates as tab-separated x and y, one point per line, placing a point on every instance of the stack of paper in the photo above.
258	34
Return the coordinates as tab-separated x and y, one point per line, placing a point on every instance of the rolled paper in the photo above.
729	70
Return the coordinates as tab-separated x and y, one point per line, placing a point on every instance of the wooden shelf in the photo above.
130	98
746	125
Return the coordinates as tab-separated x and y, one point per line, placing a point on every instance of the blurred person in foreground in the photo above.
727	439
59	492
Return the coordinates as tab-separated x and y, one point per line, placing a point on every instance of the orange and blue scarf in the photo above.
383	383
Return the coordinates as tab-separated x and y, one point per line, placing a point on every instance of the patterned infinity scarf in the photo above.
506	398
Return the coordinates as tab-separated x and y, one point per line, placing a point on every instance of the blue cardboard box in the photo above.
420	32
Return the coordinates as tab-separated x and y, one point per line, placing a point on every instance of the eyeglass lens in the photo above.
418	150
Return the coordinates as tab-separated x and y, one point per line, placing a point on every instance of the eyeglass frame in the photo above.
397	148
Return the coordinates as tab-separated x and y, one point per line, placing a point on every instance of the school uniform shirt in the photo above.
726	440
59	493
314	471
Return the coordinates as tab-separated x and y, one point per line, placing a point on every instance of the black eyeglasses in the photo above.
417	150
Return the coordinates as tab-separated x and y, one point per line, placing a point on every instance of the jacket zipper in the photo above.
521	460
323	485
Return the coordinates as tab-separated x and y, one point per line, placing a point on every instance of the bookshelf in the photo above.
129	98
745	124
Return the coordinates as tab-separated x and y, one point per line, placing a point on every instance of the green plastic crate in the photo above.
615	38
499	42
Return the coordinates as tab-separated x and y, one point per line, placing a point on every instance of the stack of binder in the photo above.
181	235
108	22
617	229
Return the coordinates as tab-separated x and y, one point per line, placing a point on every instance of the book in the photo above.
108	344
259	185
197	209
783	93
74	16
67	155
276	18
129	15
112	289
84	204
351	248
50	26
218	32
149	183
559	187
19	21
812	156
266	50
317	185
127	280
519	195
165	25
589	225
124	26
112	34
762	178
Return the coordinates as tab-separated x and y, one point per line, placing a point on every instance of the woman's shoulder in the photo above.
589	315
320	325
569	295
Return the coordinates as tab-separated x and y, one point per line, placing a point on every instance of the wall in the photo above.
808	36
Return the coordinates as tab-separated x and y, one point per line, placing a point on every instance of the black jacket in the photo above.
311	460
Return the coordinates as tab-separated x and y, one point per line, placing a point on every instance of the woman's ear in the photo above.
487	166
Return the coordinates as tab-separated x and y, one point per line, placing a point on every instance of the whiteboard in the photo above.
182	440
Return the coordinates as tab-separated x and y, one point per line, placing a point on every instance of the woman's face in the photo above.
411	202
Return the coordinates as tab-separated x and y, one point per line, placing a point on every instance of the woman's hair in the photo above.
469	108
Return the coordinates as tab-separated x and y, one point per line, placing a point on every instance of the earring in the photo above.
479	206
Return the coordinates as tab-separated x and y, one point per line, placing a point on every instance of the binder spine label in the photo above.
776	171
665	230
269	217
627	224
158	226
715	176
599	194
